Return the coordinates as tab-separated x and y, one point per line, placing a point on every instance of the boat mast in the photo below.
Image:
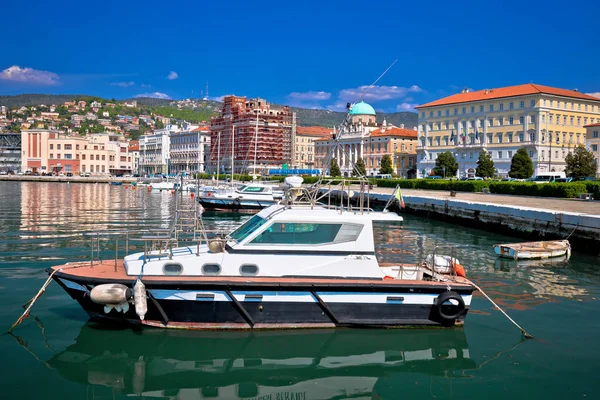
232	154
255	143
218	153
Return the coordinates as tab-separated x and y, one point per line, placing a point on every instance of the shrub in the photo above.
562	190
594	188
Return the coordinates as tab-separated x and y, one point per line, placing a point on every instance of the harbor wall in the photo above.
583	230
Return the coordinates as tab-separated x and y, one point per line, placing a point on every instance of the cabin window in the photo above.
249	270
252	189
308	233
246	229
211	269
172	269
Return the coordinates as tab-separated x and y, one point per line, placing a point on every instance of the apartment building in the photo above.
190	150
304	146
47	151
549	122
252	130
155	151
593	143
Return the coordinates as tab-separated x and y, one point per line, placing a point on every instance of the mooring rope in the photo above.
525	334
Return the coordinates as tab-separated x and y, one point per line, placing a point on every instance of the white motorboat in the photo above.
293	265
249	197
534	250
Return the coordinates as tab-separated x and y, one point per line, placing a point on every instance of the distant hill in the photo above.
204	109
309	117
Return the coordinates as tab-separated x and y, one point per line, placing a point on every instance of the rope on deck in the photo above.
525	334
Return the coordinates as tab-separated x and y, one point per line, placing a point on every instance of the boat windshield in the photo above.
250	226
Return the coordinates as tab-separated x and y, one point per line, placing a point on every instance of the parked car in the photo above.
564	180
433	177
475	178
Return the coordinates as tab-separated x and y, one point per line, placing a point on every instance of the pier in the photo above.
523	216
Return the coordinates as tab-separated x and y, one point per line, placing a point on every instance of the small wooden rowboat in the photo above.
534	250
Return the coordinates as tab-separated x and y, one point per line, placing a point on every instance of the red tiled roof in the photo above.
508	91
313	131
201	129
394	131
592	125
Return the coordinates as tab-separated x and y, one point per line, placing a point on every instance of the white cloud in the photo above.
172	75
595	94
409	99
377	93
337	106
217	98
155	95
145	85
123	84
406	107
310	95
29	75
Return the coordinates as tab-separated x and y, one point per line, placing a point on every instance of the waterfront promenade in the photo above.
546	203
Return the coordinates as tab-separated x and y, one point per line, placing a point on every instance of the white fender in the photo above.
110	293
139	298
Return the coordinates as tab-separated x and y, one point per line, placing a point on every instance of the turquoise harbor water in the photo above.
57	353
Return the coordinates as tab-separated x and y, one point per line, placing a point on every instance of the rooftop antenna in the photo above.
206	96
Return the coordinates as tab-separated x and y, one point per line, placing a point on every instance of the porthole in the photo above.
172	269
249	270
211	269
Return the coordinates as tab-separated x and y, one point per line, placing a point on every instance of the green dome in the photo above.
362	108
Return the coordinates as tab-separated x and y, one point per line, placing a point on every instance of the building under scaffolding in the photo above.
254	130
10	151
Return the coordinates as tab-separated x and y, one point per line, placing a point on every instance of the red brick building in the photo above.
251	127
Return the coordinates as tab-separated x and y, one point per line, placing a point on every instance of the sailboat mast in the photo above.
232	153
255	143
218	153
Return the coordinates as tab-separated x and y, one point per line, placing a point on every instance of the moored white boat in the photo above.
534	250
249	197
293	265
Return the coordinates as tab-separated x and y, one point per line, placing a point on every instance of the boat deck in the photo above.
106	271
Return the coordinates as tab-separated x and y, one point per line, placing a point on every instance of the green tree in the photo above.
581	163
485	165
521	166
445	164
158	124
386	165
359	168
334	169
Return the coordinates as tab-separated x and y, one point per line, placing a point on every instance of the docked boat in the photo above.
116	183
164	185
249	197
324	364
298	264
534	250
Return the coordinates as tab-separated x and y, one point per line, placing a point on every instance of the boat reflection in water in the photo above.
265	365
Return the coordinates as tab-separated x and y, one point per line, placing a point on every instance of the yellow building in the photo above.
304	146
549	122
593	143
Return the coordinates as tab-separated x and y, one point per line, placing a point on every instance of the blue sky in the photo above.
309	53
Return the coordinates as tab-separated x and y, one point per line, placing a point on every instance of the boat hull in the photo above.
534	250
215	203
272	305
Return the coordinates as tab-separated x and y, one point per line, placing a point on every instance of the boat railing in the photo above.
334	193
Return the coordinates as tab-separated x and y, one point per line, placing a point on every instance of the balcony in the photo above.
475	145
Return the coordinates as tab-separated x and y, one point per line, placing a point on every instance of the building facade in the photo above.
593	143
251	130
155	151
364	138
190	150
304	146
10	151
47	151
549	122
